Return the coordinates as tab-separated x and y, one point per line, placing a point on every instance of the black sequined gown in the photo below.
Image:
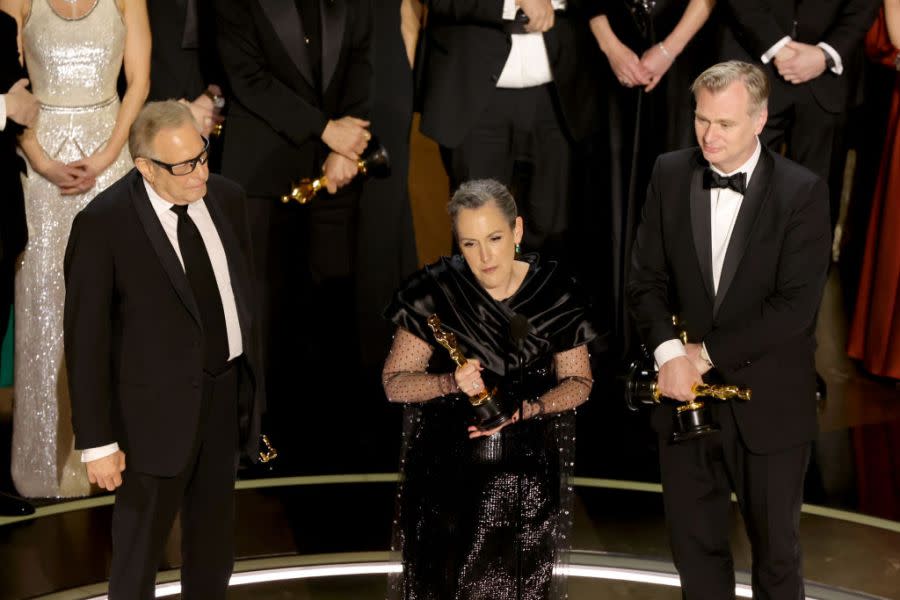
487	518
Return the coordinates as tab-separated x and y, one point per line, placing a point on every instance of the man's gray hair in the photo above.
153	118
478	192
721	75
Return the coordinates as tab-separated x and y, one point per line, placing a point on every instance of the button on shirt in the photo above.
724	207
199	213
527	64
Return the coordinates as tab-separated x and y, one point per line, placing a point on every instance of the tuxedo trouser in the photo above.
521	127
698	477
146	506
7	291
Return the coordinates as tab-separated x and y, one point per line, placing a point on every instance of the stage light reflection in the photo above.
164	590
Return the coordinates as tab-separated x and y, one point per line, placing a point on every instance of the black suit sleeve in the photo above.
252	82
10	69
648	282
89	275
791	309
848	30
758	27
358	79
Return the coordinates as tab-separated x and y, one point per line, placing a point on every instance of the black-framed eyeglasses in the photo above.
187	167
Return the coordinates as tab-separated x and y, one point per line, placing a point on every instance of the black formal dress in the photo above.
147	371
640	127
489	517
758	326
13	229
808	117
524	136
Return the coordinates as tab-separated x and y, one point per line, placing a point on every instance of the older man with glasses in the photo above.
161	346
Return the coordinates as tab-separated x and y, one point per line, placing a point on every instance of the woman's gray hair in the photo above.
721	75
153	118
478	192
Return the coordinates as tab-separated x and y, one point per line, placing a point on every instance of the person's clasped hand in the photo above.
540	15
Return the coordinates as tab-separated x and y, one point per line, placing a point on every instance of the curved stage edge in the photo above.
583	567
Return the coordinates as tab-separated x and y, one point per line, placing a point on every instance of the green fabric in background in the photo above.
6	355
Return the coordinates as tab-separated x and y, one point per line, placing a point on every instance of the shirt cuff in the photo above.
2	112
509	10
667	351
771	52
705	355
838	67
91	454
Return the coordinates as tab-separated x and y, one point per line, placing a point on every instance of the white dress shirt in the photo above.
527	64
2	112
837	69
199	213
724	207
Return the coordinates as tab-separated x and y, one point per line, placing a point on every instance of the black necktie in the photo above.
199	271
736	182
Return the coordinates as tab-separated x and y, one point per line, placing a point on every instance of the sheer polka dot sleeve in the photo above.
404	376
573	374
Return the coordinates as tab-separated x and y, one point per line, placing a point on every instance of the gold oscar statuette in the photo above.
487	411
375	162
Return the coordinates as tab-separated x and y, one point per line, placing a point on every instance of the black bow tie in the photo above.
736	182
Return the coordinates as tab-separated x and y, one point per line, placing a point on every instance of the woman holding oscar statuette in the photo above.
486	513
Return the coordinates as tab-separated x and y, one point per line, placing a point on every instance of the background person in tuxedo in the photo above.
808	49
184	62
735	241
300	74
18	108
503	99
161	346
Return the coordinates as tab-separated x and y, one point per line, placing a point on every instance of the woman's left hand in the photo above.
474	432
657	62
90	168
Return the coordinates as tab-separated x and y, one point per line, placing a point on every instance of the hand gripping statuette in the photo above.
487	410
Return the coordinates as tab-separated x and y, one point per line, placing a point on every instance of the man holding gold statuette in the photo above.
734	241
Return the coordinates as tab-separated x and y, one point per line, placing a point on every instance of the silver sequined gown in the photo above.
73	66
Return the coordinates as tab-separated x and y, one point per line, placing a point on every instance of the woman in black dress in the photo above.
486	514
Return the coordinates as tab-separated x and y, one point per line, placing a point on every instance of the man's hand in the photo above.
107	471
540	15
693	352
339	170
807	63
676	378
348	136
21	106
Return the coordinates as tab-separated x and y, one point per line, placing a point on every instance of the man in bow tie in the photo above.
734	240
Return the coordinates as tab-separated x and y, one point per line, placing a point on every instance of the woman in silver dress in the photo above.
73	51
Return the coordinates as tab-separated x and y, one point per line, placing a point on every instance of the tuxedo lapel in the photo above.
286	22
757	193
701	227
237	269
162	246
334	14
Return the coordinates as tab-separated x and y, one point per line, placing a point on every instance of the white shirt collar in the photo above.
160	204
748	167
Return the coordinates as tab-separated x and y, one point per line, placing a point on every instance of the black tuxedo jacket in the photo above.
177	71
759	327
464	54
279	111
133	335
13	230
754	26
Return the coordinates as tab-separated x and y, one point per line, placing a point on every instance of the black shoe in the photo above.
13	506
